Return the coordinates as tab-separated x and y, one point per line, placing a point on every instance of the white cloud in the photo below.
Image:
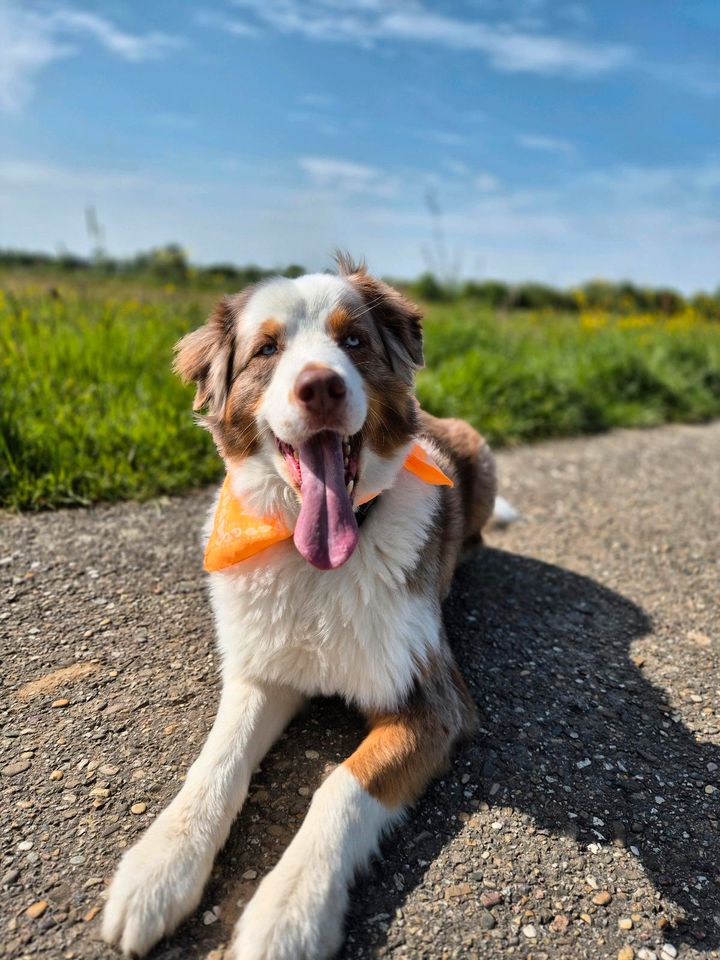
347	176
22	173
27	47
32	37
366	22
545	144
128	46
656	224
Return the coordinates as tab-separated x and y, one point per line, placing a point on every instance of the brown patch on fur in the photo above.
237	435
473	468
231	378
272	329
392	416
203	355
388	327
339	323
464	509
399	321
407	749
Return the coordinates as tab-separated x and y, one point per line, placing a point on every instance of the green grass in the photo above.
529	377
90	411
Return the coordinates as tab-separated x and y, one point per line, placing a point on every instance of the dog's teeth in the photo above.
350	486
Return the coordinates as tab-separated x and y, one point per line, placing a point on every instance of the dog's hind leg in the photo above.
298	910
160	880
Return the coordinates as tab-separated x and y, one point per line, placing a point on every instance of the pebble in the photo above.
491	899
626	953
458	890
25	845
250	875
108	771
57	775
602	899
62	702
138	808
312	754
91	914
560	923
209	917
529	931
10	877
625	923
645	954
669	951
36	910
12	769
487	920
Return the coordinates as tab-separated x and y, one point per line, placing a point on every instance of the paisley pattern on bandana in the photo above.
237	534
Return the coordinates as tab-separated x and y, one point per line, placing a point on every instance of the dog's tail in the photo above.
504	513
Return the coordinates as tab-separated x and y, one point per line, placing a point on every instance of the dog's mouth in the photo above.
325	471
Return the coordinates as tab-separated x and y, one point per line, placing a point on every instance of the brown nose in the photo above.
320	390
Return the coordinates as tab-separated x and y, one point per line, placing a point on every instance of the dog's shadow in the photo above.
571	735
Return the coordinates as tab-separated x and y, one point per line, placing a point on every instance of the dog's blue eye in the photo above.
267	350
352	341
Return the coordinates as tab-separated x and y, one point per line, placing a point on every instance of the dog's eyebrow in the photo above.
269	329
339	320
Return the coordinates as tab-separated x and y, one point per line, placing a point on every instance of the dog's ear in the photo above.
399	321
206	356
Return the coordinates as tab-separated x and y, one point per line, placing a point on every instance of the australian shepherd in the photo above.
331	547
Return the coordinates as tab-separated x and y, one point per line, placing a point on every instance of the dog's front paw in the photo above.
296	914
159	882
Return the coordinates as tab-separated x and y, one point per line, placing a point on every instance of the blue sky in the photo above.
560	140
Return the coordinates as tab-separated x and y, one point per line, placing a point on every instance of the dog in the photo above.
344	513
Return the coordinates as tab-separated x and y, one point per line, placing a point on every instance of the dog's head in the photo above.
309	383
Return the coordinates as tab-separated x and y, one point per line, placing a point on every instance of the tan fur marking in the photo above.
390	765
405	750
473	467
272	329
391	419
238	434
339	322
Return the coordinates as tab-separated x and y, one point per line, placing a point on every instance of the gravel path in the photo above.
583	822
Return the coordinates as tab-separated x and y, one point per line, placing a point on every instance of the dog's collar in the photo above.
238	535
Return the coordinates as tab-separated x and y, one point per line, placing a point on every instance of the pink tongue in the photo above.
326	532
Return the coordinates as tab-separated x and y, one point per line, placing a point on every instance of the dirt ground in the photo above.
583	820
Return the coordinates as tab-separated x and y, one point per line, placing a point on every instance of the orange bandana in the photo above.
237	534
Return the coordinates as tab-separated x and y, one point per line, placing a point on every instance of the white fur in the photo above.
160	880
303	306
298	910
355	631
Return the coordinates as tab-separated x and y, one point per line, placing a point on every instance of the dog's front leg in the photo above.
160	880
298	910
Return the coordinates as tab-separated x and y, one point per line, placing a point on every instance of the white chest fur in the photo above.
357	631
